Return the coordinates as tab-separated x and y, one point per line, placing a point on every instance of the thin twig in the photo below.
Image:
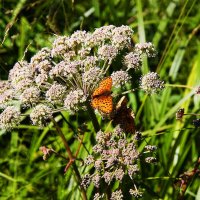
71	159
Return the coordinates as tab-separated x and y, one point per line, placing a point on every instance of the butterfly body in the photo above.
101	97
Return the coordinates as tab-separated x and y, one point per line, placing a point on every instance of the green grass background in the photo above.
172	26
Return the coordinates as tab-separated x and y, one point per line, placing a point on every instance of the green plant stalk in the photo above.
92	116
71	158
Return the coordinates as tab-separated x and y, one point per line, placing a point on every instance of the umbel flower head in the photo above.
151	83
64	76
115	159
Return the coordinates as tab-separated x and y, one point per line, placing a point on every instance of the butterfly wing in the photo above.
124	116
104	87
103	104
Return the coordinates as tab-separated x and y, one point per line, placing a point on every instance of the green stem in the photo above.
93	117
179	86
71	157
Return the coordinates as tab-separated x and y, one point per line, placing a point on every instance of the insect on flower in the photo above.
124	116
101	97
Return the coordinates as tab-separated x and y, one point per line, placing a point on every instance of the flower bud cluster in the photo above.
115	158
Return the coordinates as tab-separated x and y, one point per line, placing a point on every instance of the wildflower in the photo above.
147	48
4	86
111	161
41	79
89	160
65	69
107	52
43	54
98	164
77	38
136	193
122	143
91	76
151	83
101	34
6	97
96	180
97	148
9	118
56	93
97	196
23	84
119	174
100	137
20	70
30	96
108	177
132	170
117	195
60	46
133	60
115	157
120	78
73	99
121	37
90	62
40	114
44	66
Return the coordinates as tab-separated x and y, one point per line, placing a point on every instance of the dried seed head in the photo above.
180	114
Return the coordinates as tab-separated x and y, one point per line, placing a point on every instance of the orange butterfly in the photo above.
101	97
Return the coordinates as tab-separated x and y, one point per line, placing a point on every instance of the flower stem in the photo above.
71	158
93	117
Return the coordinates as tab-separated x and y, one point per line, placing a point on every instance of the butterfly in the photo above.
124	116
101	97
